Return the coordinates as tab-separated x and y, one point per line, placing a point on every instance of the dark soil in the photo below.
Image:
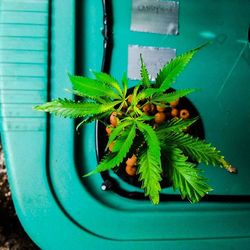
12	234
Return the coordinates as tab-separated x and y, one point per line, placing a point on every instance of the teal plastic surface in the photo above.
45	157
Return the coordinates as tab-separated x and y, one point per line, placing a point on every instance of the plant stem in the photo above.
228	166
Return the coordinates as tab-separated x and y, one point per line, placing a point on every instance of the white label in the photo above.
153	57
155	16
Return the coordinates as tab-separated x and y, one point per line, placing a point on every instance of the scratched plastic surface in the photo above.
45	160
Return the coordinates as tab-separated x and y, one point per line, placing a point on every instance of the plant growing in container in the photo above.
149	130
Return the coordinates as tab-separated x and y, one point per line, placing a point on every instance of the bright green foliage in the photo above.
144	74
92	88
117	157
198	150
72	109
89	119
108	80
162	151
170	97
117	131
125	85
150	163
150	175
175	125
185	176
171	70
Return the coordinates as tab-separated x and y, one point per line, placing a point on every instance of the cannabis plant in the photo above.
148	123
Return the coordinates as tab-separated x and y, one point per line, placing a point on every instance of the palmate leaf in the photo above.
89	98
158	95
198	150
145	93
171	70
150	163
150	175
185	176
144	73
92	88
116	158
125	84
108	80
135	95
151	139
170	97
72	109
174	125
116	131
90	119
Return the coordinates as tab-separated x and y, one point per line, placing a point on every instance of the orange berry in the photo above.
130	170
146	108
114	119
108	130
160	117
160	109
174	103
111	145
184	114
131	161
174	112
130	98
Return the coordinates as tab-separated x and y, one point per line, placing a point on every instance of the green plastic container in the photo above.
40	41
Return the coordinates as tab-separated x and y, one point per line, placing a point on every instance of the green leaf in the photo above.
92	88
150	163
171	70
116	158
151	139
144	117
108	80
173	96
150	175
72	109
175	125
125	84
144	73
135	98
116	131
90	119
185	176
198	150
145	93
94	98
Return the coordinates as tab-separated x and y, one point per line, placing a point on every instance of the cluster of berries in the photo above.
161	114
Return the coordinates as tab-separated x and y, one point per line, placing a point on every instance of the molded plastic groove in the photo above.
23	50
22	69
24	18
23	83
18	57
31	6
23	11
18	111
24	124
23	96
23	30
26	24
23	63
24	37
